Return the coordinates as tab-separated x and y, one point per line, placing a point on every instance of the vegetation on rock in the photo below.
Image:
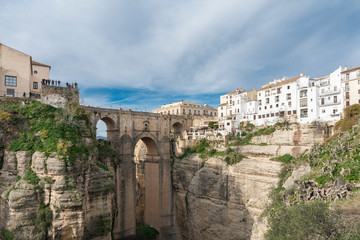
303	211
205	150
50	129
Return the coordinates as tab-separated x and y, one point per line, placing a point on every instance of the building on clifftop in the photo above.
20	76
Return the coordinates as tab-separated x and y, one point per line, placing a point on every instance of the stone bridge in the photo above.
124	130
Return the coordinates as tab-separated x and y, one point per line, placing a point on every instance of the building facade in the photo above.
300	99
351	85
187	108
20	76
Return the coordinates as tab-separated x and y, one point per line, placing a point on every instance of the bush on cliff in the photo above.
303	221
49	129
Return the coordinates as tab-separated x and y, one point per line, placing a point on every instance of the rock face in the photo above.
217	201
81	200
294	140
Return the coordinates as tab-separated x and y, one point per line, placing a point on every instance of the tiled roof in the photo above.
223	104
40	64
351	69
281	83
236	91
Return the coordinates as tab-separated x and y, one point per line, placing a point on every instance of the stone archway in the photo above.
148	209
110	128
177	129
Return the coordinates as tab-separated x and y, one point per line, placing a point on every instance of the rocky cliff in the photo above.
216	201
65	191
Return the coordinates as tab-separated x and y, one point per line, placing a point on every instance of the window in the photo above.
278	91
294	111
303	103
289	104
289	112
347	87
358	81
347	76
335	88
35	85
347	95
288	87
10	81
270	106
272	115
323	111
222	114
276	98
277	105
267	100
189	111
259	108
259	102
267	115
335	110
259	96
359	91
347	103
303	93
322	101
10	91
35	72
265	107
335	99
267	93
288	96
184	110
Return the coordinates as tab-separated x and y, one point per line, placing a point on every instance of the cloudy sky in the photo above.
142	54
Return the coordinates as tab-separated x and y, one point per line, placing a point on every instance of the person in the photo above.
24	95
76	85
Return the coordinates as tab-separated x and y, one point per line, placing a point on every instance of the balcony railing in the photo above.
329	92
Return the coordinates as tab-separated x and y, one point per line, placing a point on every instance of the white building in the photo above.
351	85
236	106
277	100
331	97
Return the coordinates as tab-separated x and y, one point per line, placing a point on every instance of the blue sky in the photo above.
142	54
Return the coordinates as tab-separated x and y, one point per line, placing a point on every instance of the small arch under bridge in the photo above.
124	130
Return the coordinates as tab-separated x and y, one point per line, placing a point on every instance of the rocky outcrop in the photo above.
216	201
81	200
293	140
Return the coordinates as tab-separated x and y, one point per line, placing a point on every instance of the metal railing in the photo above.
21	95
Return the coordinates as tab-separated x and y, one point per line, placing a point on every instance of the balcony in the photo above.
330	92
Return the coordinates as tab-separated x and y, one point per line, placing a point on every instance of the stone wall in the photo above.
59	96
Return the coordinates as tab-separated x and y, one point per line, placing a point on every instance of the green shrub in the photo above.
287	158
234	158
7	235
43	220
302	222
31	177
146	232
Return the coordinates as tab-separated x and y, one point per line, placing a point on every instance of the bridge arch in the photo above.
110	127
148	180
177	128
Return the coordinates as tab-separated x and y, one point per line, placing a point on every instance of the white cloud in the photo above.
184	47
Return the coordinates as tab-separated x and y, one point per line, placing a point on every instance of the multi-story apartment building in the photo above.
331	97
236	106
301	99
351	84
20	76
187	108
277	100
